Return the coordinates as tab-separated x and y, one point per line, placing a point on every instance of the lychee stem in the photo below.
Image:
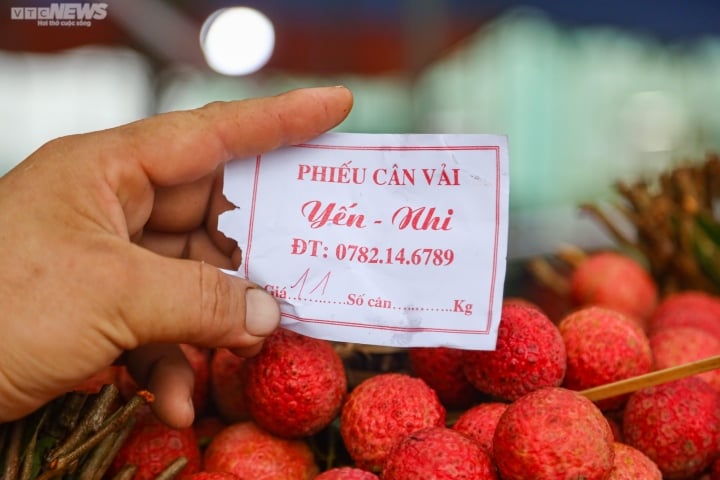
29	454
127	472
70	411
651	379
548	276
12	457
90	423
101	459
172	470
114	422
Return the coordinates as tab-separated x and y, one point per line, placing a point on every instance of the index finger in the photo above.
196	142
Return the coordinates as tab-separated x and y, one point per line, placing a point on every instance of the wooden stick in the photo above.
651	379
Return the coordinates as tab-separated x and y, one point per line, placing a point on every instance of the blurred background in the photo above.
587	92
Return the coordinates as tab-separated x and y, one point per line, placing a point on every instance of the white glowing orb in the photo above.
237	40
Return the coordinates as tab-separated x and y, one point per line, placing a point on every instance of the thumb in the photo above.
168	300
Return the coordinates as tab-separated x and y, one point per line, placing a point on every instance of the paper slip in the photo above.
396	240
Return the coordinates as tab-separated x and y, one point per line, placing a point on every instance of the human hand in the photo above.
109	247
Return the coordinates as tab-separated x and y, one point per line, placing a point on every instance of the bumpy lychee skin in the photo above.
382	410
152	446
631	464
553	432
603	346
442	370
439	453
688	309
347	473
479	423
296	385
529	354
251	453
674	346
213	476
676	425
615	281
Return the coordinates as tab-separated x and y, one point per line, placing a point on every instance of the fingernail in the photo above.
262	313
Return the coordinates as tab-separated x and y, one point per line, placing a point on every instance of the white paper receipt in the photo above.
396	240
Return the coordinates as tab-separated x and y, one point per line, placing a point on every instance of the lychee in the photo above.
631	464
479	423
614	280
676	424
152	446
673	346
213	476
688	309
347	473
382	410
603	346
529	354
553	433
442	370
296	385
439	453
227	386
251	453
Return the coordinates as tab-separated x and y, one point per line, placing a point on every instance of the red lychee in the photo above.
631	464
479	423
347	473
213	476
251	453
152	446
603	346
676	425
382	410
439	453
442	370
688	309
296	385
673	346
227	386
529	354
553	433
614	280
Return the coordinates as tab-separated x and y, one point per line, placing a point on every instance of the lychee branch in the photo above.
651	379
91	422
114	422
102	457
172	470
12	457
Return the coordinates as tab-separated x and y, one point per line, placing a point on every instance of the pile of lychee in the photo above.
513	413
